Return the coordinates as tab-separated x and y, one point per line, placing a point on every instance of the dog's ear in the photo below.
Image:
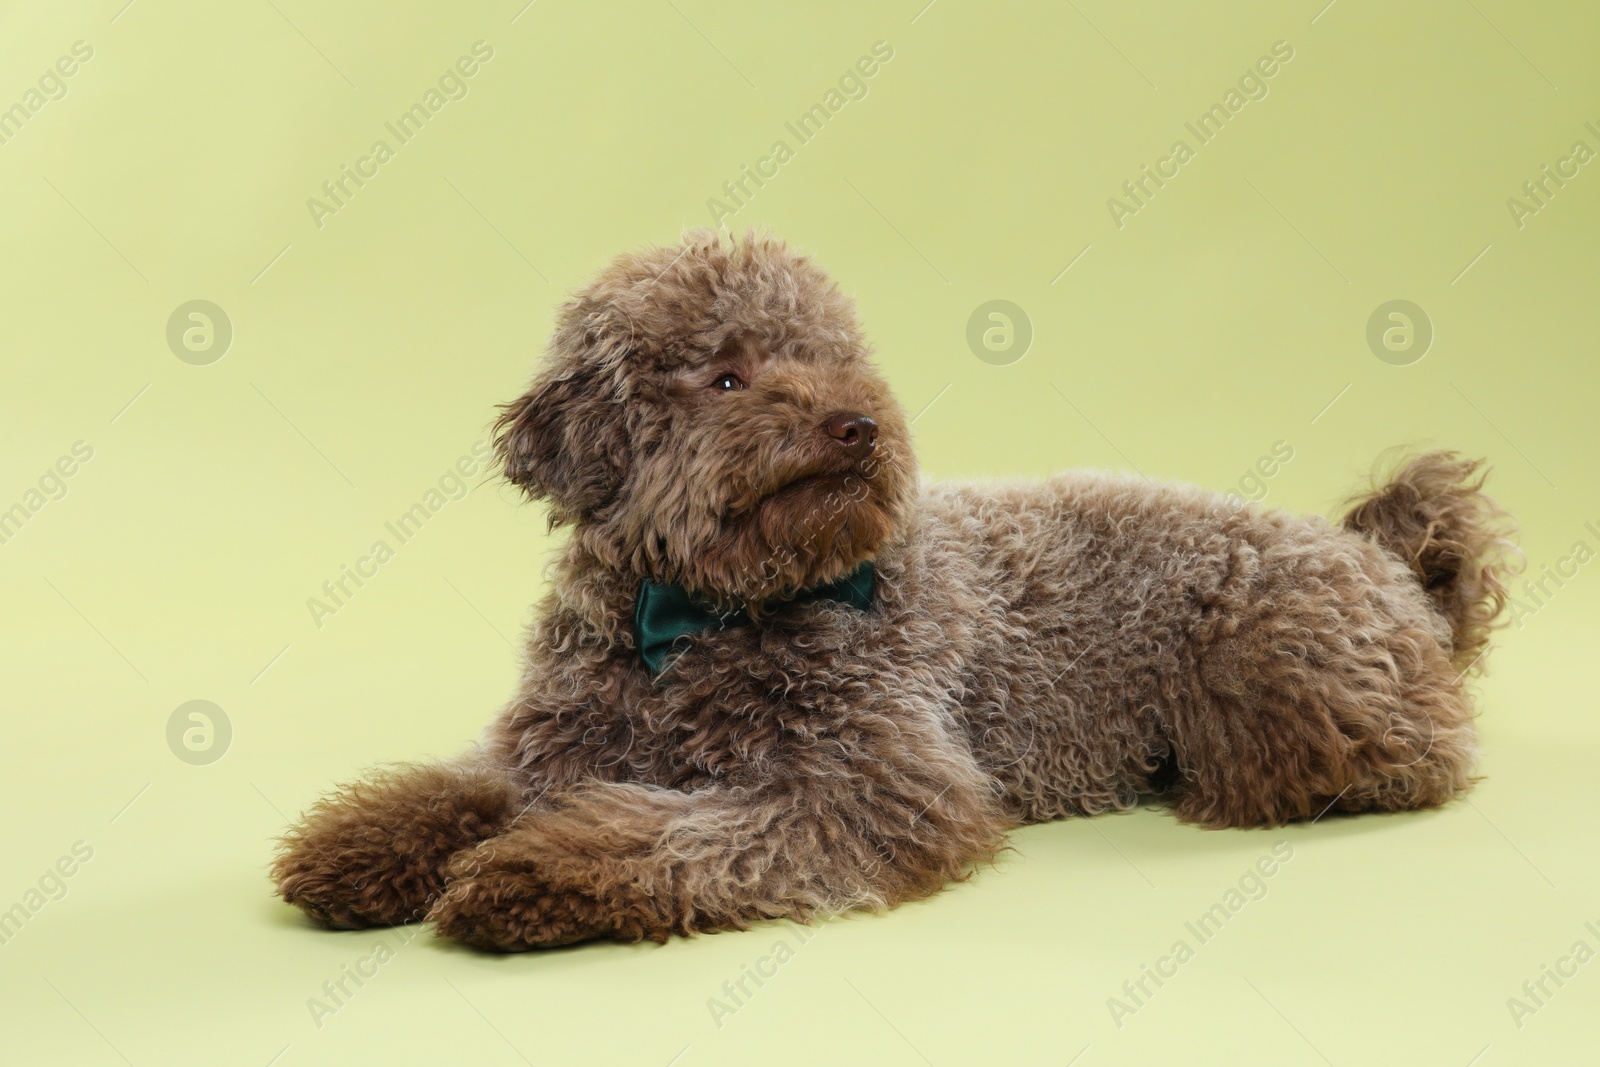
563	441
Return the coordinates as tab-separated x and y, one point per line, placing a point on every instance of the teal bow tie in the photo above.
667	612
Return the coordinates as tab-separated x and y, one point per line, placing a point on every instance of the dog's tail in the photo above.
1433	514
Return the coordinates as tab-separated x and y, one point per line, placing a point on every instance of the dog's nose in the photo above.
856	433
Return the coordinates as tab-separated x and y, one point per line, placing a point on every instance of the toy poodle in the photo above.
777	676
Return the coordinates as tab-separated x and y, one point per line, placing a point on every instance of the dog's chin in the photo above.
814	529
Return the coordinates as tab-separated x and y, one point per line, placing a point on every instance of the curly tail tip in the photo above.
1433	513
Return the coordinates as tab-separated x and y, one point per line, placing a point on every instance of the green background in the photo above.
1228	315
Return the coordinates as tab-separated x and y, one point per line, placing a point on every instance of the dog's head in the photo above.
707	414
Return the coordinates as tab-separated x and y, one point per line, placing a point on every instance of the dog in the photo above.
776	676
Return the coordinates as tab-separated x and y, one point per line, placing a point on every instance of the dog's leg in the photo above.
1386	729
373	852
1417	743
635	862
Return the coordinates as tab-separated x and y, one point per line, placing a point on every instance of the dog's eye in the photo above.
727	383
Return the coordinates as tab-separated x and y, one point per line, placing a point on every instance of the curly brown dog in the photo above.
777	677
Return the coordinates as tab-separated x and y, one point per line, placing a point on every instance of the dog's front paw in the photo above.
323	881
372	853
507	904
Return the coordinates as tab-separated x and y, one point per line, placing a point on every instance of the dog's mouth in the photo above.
844	484
798	526
822	480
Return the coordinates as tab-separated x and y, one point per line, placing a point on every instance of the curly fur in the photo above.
1035	650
